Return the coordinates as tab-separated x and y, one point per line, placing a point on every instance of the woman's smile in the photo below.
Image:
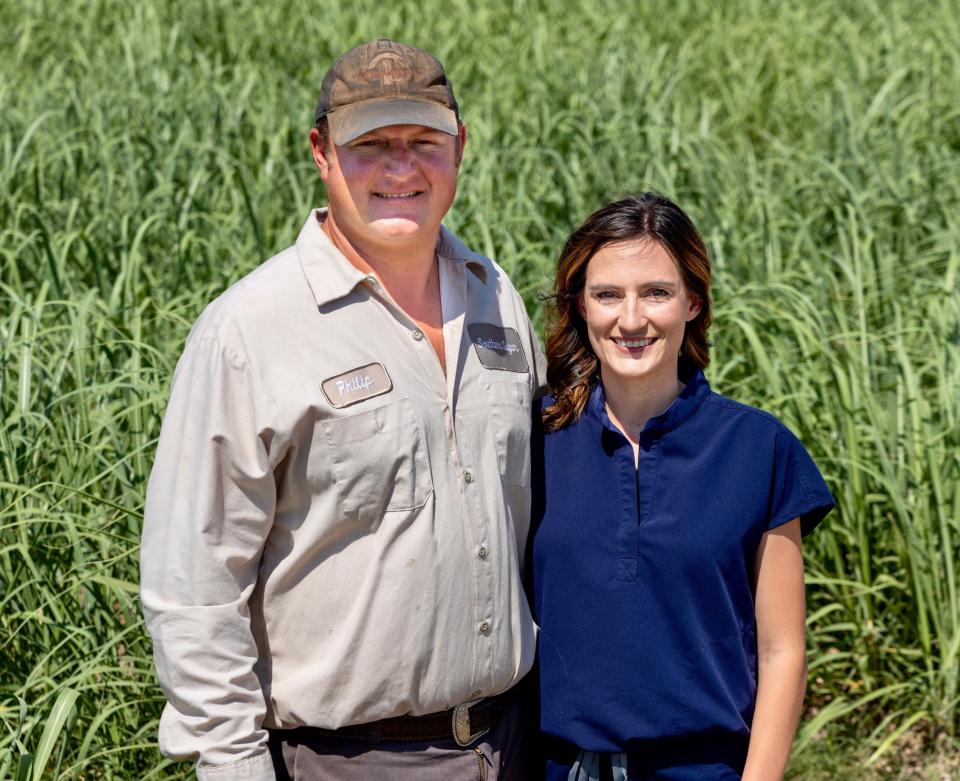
633	346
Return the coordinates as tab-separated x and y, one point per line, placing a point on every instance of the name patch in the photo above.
497	347
358	384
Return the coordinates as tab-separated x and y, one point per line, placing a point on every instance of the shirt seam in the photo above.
243	364
723	401
810	504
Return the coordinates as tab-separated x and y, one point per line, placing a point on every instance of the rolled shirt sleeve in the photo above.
209	507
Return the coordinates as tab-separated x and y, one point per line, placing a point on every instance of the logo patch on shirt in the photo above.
358	384
498	347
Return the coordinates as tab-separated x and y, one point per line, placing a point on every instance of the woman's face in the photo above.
636	307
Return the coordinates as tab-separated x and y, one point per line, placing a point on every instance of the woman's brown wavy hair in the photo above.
572	367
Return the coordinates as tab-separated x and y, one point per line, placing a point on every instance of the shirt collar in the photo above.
686	404
331	276
451	247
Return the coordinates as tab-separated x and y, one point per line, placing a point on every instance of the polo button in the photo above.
482	551
484	627
467	477
370	281
418	335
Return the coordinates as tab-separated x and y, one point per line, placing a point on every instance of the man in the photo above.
340	499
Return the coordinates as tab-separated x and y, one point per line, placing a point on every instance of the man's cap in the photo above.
386	83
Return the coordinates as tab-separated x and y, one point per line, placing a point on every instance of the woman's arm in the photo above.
781	652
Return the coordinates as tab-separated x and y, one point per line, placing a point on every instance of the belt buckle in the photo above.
461	724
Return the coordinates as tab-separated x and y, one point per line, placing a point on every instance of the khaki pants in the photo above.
496	756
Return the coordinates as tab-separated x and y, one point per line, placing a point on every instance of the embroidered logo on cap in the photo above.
358	384
497	347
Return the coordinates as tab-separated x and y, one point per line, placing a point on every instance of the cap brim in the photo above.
351	121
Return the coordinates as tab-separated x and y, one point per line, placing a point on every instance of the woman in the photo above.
667	566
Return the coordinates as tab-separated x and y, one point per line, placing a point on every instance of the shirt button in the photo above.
467	477
417	335
484	627
482	551
372	281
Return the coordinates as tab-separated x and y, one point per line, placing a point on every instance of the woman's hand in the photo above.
781	652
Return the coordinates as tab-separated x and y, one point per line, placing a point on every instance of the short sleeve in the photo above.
798	489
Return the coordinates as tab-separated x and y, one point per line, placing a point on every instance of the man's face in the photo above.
393	184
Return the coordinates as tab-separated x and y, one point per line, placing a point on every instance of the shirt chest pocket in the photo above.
379	462
510	426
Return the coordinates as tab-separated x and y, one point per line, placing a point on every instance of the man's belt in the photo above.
464	724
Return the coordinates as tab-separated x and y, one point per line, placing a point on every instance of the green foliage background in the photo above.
151	154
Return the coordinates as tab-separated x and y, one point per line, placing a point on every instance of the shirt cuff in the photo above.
259	767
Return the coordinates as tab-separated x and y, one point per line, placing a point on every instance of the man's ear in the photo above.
320	152
461	142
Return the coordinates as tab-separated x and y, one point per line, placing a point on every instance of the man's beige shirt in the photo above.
334	529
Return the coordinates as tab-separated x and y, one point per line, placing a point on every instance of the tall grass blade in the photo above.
59	723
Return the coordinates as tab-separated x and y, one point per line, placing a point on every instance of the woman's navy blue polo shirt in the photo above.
642	575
